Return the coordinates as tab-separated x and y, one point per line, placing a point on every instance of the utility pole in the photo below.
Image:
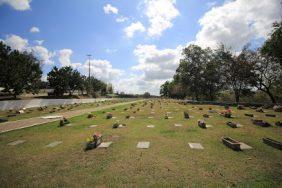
89	82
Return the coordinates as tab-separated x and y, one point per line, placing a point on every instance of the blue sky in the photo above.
135	45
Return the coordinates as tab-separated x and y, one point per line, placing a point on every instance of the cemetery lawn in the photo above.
50	110
168	162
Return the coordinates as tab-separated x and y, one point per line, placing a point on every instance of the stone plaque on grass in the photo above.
150	126
239	125
195	146
105	144
54	144
121	126
92	126
17	142
143	145
244	146
178	125
51	117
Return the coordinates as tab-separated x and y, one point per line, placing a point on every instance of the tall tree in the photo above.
75	80
65	80
164	90
59	80
235	71
19	71
190	70
212	77
273	46
267	74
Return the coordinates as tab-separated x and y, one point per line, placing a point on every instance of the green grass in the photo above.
168	162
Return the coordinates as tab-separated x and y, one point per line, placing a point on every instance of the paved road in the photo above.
20	124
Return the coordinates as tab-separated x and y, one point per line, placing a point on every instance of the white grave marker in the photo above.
105	144
16	142
53	144
143	145
195	146
178	125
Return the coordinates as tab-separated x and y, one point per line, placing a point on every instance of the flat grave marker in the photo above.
53	144
195	146
17	142
150	126
105	144
239	125
92	126
51	117
143	145
121	126
209	126
244	146
178	125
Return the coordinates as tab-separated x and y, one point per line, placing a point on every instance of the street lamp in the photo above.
89	57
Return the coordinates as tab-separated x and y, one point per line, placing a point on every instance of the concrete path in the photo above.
20	124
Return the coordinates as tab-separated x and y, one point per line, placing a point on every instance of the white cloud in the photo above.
16	42
157	64
108	9
154	67
121	19
102	69
34	30
136	84
39	42
43	54
160	13
134	27
17	4
65	58
236	23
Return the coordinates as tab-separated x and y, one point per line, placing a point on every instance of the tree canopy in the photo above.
203	74
19	71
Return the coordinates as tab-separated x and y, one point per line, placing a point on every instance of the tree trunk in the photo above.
267	91
237	96
211	95
197	98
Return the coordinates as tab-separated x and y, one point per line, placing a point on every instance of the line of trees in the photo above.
204	73
68	80
22	71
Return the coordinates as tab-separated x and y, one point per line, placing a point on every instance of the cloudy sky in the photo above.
135	44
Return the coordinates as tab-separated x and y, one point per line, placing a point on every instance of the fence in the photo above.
19	104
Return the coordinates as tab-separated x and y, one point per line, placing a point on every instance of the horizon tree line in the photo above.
22	72
204	73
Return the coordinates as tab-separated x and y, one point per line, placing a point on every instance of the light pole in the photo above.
89	82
